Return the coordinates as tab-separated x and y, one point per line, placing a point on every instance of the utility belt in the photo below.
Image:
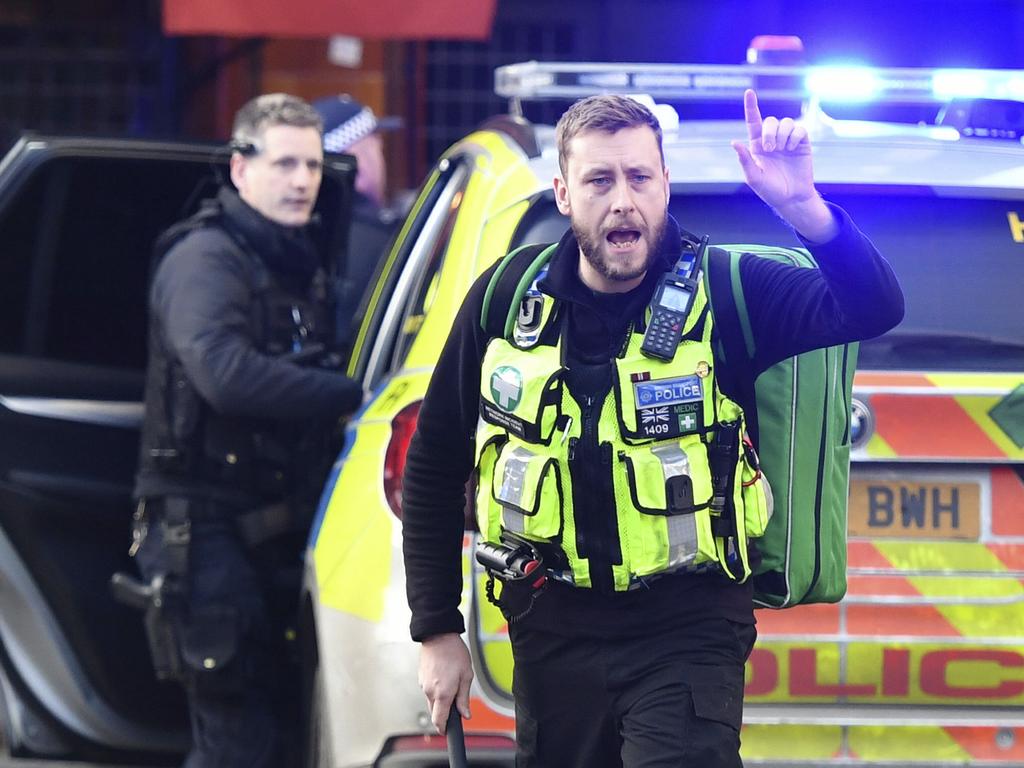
164	599
526	568
257	463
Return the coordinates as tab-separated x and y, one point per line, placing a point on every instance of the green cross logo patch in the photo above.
507	387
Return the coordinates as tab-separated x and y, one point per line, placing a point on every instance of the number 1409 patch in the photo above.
669	407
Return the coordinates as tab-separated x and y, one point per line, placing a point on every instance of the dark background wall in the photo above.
982	33
103	66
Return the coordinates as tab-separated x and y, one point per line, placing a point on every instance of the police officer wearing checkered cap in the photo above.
354	129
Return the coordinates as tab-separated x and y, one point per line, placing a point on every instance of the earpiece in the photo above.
242	147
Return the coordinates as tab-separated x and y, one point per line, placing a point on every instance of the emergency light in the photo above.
534	80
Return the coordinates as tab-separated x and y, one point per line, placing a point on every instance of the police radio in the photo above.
672	301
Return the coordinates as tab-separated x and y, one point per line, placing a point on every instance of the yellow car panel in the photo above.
355	545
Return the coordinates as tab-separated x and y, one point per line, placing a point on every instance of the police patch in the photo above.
668	408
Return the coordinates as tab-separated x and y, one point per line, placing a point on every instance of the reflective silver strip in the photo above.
682	529
896	389
104	413
512	487
847	714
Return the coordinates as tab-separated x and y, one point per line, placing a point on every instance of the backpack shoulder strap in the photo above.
732	328
725	292
508	284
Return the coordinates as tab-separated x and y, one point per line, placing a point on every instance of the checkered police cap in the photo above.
346	121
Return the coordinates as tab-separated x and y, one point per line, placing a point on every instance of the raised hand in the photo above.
776	162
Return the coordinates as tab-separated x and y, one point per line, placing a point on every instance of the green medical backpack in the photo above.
803	413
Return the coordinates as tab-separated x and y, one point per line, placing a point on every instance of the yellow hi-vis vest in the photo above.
660	418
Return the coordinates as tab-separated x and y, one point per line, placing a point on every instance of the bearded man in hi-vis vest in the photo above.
607	438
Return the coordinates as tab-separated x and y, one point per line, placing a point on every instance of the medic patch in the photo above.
507	387
669	407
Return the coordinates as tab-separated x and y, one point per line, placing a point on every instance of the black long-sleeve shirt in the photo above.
854	295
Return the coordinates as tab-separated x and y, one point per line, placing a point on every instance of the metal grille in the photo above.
80	67
460	76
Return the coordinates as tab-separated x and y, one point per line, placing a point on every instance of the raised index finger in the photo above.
752	114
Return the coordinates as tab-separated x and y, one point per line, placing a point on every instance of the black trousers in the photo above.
226	641
668	698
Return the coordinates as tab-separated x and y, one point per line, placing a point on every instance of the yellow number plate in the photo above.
910	508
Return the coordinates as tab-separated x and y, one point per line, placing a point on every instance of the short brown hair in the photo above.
606	112
271	109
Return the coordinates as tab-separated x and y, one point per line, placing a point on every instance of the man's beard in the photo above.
596	251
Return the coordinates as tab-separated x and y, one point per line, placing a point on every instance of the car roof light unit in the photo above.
843	83
533	80
950	84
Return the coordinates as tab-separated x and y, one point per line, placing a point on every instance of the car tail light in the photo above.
402	428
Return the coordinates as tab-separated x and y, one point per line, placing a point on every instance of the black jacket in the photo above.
229	302
853	296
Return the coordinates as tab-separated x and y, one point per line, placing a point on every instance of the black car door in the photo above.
77	223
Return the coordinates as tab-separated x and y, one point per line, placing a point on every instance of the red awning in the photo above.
369	19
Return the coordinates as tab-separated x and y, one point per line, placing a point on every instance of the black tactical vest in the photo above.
190	449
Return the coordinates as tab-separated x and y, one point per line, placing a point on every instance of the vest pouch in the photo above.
209	645
669	486
521	394
186	407
487	456
527	487
252	461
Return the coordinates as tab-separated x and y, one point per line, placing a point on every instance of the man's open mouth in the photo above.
623	238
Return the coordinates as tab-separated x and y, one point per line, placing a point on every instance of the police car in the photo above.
923	661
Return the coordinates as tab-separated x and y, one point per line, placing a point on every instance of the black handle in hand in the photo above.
456	739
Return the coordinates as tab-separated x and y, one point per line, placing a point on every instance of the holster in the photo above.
162	600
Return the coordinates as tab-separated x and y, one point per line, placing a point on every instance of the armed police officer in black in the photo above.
242	400
625	655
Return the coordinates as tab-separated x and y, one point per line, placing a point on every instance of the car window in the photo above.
75	263
420	259
77	242
960	261
426	276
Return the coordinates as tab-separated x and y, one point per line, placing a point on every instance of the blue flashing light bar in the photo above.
534	80
843	83
978	83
